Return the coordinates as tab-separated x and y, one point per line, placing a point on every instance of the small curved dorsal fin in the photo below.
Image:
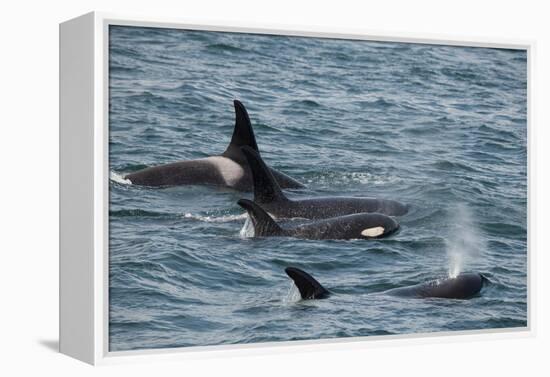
243	135
264	225
266	188
309	287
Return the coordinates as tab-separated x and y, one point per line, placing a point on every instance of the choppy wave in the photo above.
137	213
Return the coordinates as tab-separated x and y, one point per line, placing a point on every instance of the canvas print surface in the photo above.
273	188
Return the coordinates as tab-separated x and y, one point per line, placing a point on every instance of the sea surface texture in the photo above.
440	128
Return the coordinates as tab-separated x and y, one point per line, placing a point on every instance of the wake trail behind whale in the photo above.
213	219
464	243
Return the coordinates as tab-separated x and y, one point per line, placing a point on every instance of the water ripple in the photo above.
440	128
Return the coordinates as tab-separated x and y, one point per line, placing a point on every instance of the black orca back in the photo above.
463	286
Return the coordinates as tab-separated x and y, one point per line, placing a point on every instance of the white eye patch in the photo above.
373	232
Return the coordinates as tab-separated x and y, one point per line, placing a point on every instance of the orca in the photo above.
310	289
230	169
356	226
268	193
463	286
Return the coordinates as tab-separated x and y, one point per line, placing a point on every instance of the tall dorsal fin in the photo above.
309	287
263	224
266	188
243	135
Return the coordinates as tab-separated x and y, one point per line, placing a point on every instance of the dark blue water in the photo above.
441	128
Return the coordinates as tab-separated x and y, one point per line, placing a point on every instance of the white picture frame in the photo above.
84	189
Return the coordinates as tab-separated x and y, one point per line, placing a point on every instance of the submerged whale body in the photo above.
267	193
462	287
356	226
230	169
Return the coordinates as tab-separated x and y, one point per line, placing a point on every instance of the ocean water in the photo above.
440	128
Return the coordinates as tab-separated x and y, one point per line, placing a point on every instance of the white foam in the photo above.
247	231
363	178
118	178
292	294
368	178
215	219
